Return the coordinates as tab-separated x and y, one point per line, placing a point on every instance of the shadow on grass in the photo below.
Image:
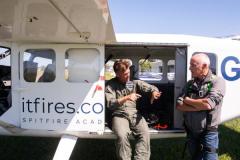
31	148
27	148
230	141
162	149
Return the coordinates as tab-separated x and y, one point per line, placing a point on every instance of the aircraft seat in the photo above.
30	71
133	72
48	74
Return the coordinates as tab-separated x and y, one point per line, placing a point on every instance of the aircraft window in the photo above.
5	81
82	65
171	70
39	65
109	72
213	61
150	69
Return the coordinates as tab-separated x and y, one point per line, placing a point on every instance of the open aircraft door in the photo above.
62	87
180	80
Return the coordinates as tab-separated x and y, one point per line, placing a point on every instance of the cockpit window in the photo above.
39	65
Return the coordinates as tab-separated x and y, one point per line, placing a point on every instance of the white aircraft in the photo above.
56	56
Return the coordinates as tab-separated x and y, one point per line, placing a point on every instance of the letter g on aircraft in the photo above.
226	61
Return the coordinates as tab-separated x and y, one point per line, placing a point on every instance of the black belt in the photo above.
212	129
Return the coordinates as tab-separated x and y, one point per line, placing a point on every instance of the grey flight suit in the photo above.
126	119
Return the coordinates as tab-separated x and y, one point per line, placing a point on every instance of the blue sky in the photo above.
214	18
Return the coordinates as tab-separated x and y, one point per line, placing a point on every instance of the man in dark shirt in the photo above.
121	96
201	104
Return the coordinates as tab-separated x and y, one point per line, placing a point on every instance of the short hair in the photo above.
121	65
202	58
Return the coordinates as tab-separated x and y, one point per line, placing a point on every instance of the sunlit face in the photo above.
196	68
123	76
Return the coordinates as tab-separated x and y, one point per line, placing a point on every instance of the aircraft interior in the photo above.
154	64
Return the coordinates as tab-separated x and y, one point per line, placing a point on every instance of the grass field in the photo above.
30	148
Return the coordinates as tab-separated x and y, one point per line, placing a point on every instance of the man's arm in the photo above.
214	97
198	104
145	87
185	107
217	93
188	104
111	99
155	95
130	97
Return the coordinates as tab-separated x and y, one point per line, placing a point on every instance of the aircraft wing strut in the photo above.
65	147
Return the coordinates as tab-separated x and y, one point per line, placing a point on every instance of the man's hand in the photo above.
130	97
184	107
155	95
133	96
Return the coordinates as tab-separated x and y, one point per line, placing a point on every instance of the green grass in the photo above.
230	140
32	148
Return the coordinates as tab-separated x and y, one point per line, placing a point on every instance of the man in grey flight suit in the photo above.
201	103
121	99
